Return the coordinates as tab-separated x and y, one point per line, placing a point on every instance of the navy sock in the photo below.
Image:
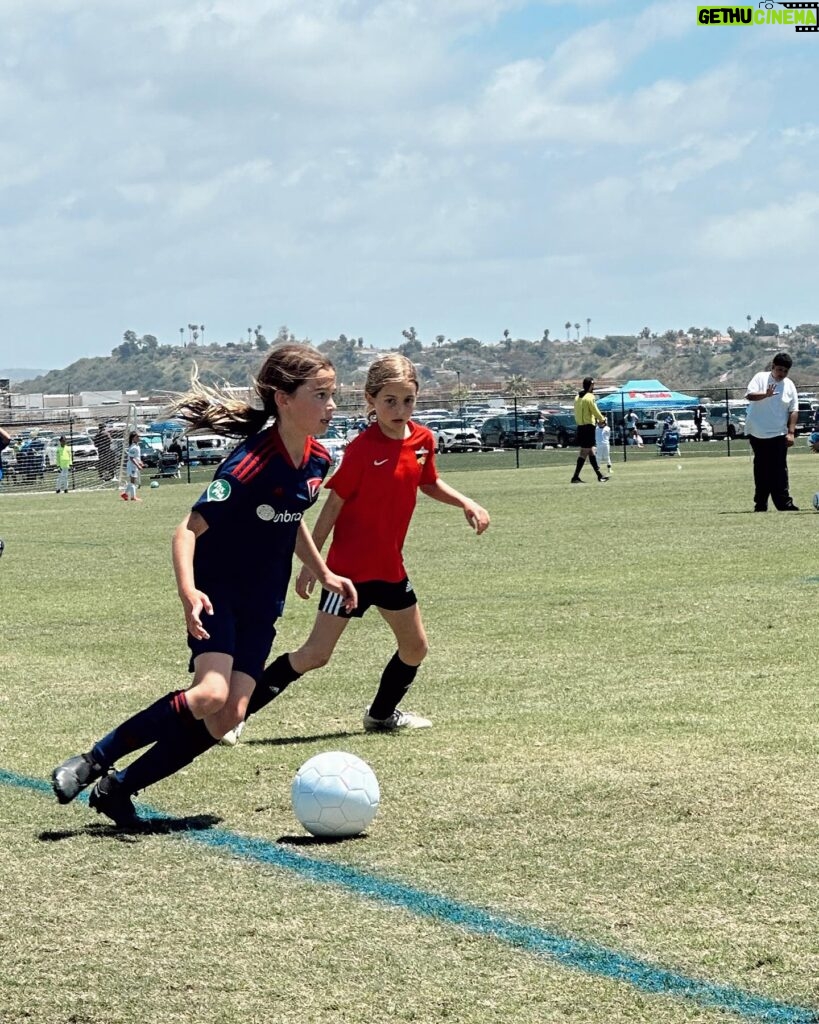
167	757
396	679
161	719
578	467
593	464
278	675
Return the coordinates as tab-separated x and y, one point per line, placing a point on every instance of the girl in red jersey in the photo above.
368	511
232	556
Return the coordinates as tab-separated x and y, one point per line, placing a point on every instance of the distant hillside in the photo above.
688	361
16	374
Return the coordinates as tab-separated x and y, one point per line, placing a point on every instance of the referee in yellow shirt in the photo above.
587	416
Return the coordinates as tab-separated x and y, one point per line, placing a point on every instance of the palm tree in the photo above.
588	326
748	318
568	326
577	328
517	386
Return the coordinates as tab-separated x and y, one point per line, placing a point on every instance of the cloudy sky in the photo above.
360	166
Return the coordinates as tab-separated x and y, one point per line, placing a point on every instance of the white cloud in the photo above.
759	234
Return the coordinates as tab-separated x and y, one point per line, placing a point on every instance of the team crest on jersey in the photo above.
314	486
421	455
218	490
265	512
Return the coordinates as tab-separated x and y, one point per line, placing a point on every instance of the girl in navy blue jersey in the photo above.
232	557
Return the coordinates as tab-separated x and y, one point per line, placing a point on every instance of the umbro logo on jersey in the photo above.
314	486
421	455
269	515
380	462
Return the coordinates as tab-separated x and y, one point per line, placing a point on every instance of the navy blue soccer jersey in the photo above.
253	508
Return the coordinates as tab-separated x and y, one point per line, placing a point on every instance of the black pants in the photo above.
770	471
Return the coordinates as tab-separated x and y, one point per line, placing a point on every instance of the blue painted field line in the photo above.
574	953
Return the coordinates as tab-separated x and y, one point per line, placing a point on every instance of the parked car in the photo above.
452	436
31	459
730	423
335	441
559	429
804	417
510	431
207	448
83	450
650	424
149	454
687	428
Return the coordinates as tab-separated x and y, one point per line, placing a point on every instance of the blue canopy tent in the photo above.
645	394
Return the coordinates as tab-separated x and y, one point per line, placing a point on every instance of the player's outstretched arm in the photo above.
476	515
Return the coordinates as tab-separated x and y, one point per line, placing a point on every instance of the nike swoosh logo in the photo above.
380	462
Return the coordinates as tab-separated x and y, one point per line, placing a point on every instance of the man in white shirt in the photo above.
770	424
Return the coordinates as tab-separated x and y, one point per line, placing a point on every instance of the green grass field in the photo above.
624	753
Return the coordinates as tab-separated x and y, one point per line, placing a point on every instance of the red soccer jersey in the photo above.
378	479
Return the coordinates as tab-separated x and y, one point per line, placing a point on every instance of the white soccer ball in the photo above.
335	794
816	501
154	484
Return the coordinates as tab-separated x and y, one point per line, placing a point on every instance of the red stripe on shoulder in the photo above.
317	448
253	462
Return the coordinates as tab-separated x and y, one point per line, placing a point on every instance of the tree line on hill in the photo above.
696	358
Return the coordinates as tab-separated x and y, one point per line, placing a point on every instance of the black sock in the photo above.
156	722
396	679
278	675
579	466
594	466
167	757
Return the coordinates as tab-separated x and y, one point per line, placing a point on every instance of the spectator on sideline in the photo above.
586	415
5	441
105	454
64	463
698	418
770	425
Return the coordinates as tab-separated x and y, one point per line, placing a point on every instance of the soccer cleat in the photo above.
576	480
231	738
72	776
109	797
123	495
602	479
397	720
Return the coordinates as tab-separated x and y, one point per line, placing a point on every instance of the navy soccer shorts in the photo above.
244	632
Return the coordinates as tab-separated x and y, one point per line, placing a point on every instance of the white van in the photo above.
207	448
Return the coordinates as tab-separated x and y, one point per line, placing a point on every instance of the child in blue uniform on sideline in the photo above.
232	557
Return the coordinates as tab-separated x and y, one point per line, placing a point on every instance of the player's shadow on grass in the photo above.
319	840
750	511
148	826
287	741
